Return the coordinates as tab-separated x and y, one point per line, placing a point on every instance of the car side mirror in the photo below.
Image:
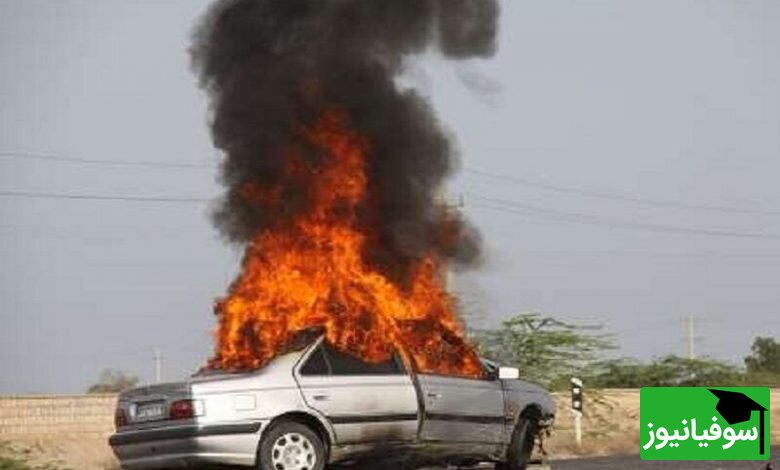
508	373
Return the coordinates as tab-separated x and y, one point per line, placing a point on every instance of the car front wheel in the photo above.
518	454
291	446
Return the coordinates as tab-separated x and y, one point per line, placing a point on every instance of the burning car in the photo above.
317	405
334	173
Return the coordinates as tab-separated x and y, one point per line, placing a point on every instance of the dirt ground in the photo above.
72	451
610	427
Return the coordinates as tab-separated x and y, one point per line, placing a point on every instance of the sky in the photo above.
620	159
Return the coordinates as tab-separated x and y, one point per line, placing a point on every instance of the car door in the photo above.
462	410
365	403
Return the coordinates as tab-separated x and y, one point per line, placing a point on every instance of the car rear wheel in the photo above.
518	454
291	446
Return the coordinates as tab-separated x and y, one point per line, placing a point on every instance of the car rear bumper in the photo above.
186	446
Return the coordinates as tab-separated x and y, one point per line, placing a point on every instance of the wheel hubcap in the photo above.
293	451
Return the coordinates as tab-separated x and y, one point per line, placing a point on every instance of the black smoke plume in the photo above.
270	65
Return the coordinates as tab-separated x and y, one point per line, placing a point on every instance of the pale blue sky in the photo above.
661	100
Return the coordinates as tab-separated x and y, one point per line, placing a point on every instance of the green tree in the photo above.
764	357
113	381
546	350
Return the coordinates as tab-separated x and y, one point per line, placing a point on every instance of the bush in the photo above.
113	381
669	371
550	351
764	357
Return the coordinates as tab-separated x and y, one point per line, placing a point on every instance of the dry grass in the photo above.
72	451
611	424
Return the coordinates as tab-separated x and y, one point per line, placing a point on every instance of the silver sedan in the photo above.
317	406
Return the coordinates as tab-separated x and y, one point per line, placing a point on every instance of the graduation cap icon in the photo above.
736	407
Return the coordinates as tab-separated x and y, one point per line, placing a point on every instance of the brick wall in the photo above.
42	415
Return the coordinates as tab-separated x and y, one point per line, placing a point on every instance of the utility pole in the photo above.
688	323
158	358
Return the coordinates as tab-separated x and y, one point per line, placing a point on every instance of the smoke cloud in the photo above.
270	66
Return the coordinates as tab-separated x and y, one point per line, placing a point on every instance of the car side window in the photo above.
346	364
317	364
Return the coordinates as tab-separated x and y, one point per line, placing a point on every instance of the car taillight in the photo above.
185	409
120	419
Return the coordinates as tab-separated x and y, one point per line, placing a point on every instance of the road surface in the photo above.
633	462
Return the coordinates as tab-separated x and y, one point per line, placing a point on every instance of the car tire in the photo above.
518	455
288	445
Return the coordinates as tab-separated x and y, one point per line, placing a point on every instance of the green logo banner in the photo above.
700	423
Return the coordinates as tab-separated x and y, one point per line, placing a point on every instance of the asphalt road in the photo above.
627	462
633	462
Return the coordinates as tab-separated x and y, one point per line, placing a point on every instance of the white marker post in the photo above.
576	407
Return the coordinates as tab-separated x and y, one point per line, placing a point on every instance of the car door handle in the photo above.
321	397
434	395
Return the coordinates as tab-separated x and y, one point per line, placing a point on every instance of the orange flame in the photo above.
310	273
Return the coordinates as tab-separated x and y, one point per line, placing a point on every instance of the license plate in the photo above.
150	411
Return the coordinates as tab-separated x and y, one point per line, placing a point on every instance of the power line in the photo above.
494	176
618	197
619	223
91	161
97	197
693	256
546	213
489	203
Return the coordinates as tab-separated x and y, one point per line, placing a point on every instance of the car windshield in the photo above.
490	368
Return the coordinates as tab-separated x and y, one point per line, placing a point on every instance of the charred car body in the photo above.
317	405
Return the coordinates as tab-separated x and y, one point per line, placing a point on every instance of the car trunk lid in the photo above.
150	405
